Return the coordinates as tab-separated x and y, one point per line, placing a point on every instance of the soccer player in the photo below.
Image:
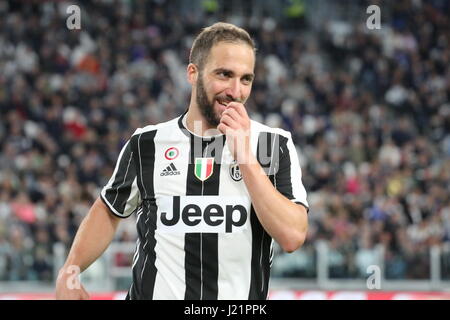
211	189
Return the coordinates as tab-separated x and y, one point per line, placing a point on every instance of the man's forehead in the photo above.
231	56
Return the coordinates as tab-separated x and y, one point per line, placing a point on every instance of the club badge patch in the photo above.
235	172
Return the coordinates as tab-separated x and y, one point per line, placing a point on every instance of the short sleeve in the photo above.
121	194
288	176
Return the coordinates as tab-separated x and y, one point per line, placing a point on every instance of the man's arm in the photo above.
93	237
284	220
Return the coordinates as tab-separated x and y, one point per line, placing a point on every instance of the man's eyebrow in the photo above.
247	75
223	70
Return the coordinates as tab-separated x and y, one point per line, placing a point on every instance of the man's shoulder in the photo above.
258	127
154	127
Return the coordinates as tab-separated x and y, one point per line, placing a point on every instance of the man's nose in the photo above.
234	90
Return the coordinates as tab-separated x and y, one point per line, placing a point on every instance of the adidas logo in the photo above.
171	170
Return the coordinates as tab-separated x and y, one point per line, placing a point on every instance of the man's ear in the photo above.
192	73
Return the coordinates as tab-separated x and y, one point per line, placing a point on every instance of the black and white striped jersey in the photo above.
198	234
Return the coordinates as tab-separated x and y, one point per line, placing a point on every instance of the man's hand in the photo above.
68	285
95	233
235	124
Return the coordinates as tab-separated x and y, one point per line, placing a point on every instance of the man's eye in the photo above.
223	74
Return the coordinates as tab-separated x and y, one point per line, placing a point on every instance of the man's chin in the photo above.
212	113
214	122
214	118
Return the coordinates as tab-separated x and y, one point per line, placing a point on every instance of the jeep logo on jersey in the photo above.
203	168
209	214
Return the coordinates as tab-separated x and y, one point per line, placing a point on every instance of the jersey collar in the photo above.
190	134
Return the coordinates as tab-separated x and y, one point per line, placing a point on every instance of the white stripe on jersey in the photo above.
235	250
138	242
124	178
134	199
136	253
169	249
140	164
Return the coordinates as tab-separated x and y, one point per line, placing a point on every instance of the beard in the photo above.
206	107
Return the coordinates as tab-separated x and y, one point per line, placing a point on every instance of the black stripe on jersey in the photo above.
201	249
279	167
118	194
260	265
192	265
144	273
256	276
282	178
210	241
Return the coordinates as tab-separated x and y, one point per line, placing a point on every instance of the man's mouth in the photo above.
222	102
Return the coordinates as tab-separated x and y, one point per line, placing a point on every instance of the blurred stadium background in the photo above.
368	109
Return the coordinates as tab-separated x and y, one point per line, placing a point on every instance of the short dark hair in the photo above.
218	32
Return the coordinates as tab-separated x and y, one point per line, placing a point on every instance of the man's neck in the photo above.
197	124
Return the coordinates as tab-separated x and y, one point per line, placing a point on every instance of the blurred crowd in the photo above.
369	112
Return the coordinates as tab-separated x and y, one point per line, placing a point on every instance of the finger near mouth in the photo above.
221	106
